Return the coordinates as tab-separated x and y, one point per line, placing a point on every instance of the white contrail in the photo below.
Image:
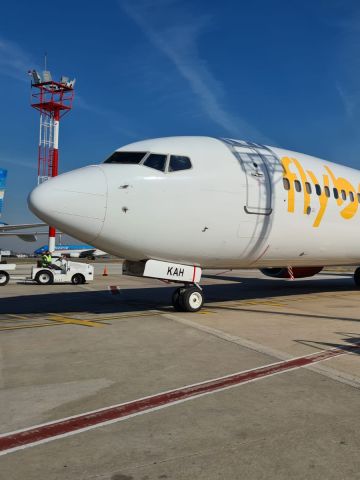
178	42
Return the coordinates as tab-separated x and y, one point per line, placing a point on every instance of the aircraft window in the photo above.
351	196
327	191
126	157
343	194
297	185
286	184
317	189
178	162
308	187
336	193
156	161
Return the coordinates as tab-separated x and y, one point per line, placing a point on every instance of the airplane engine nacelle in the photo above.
298	272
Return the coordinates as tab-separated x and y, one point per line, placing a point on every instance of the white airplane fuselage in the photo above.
238	206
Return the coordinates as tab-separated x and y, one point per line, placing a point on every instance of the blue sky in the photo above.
280	72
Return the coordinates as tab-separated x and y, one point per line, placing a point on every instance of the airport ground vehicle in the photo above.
4	272
63	271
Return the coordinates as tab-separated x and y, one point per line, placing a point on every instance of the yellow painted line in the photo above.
21	317
276	304
32	325
74	321
61	319
132	315
244	304
247	303
96	322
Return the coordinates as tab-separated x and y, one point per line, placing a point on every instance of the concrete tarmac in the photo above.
68	350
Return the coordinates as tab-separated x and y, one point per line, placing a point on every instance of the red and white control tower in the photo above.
53	100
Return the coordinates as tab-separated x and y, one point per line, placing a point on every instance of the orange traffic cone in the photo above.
105	272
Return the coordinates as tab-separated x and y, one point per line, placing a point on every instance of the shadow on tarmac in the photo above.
351	345
340	274
136	299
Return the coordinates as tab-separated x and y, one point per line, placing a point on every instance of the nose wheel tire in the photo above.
176	300
357	277
44	277
4	278
189	299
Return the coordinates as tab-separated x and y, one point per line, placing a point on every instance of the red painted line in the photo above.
42	433
194	274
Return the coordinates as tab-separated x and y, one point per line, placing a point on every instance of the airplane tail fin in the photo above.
3	174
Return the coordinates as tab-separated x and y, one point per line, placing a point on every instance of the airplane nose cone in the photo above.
73	202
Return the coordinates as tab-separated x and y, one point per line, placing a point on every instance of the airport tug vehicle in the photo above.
63	271
4	272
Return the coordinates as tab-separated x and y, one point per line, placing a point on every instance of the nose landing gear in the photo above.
189	298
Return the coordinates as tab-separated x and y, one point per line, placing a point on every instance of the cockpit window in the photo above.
126	157
178	162
157	161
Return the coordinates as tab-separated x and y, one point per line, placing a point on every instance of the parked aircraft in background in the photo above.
11	230
172	206
73	251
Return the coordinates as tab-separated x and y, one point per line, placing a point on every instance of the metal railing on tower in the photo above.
53	100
